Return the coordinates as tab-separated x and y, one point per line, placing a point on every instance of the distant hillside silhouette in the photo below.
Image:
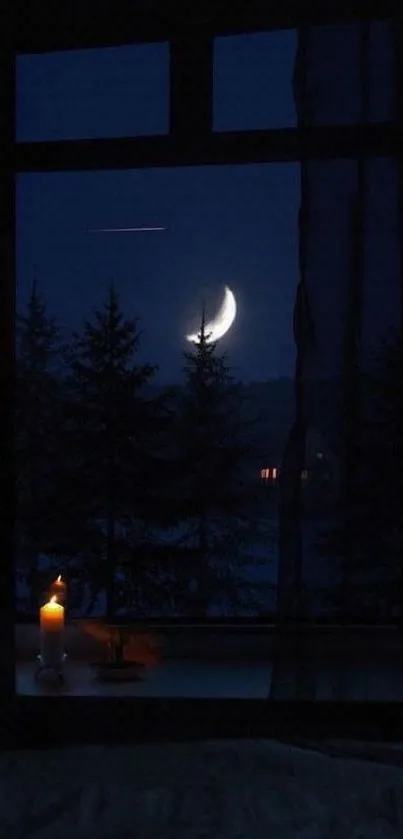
271	404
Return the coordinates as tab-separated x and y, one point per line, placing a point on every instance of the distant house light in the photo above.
272	473
269	473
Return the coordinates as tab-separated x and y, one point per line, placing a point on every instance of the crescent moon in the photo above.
215	329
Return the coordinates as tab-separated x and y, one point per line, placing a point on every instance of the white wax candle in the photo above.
52	626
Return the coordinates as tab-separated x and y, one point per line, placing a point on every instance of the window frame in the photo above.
35	722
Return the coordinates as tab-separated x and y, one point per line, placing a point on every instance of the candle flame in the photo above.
53	599
59	579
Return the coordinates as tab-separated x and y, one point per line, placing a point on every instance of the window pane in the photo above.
382	313
119	91
335	86
254	77
204	229
210	228
253	81
383	68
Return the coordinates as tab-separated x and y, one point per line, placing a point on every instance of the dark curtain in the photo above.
348	304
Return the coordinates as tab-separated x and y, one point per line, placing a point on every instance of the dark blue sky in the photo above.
226	225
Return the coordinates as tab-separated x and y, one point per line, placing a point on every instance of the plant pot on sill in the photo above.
127	654
117	668
119	671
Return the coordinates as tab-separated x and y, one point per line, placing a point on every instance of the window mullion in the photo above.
191	88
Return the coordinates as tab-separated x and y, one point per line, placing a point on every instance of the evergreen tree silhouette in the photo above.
108	475
214	440
38	393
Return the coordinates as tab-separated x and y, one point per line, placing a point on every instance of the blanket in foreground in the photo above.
218	789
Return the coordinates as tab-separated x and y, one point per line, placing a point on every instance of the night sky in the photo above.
224	225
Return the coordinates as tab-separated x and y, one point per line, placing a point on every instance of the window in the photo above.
362	77
198	231
347	176
128	88
253	81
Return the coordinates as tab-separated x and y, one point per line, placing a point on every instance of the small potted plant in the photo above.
127	652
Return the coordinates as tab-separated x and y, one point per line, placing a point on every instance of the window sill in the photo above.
352	665
171	679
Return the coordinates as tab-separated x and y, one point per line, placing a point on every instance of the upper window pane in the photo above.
259	84
350	74
253	81
382	60
119	91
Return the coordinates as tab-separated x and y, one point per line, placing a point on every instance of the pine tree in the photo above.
214	440
37	355
106	485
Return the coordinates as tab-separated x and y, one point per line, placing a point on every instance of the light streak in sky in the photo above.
127	229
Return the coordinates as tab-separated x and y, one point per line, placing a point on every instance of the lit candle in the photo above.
52	626
58	589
